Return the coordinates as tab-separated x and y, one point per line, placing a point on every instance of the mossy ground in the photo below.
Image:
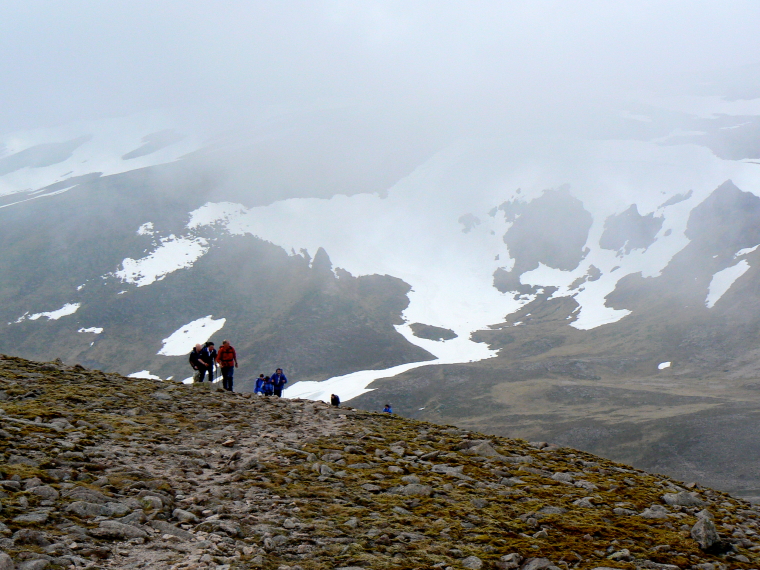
330	482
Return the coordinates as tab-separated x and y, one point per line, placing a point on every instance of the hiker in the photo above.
335	400
279	381
197	363
387	409
227	359
208	355
267	388
259	384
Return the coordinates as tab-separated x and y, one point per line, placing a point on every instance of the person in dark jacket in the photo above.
227	359
335	400
279	381
208	355
259	384
198	363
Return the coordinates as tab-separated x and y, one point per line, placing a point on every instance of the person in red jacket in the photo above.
227	359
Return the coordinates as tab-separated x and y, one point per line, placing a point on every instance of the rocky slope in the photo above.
103	472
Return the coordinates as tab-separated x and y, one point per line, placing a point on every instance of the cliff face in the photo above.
100	471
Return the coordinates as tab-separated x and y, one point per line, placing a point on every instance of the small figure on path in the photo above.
335	400
208	355
196	363
387	409
259	384
227	359
267	388
279	381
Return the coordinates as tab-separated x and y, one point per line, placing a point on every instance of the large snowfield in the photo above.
414	231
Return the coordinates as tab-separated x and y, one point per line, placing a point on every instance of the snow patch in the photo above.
214	212
67	309
663	365
174	253
745	251
722	281
182	341
144	374
94	330
146	229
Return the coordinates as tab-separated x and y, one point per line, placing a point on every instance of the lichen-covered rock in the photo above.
683	499
705	533
472	562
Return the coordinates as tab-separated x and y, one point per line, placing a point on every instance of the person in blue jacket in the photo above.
387	409
259	384
279	381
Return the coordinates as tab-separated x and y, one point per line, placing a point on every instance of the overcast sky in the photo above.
89	58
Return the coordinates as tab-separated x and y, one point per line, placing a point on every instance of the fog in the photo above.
447	69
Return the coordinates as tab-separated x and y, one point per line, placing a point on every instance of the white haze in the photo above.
446	67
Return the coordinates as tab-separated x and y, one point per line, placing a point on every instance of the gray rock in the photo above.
517	459
168	528
29	536
86	494
325	470
651	565
484	450
564	477
451	471
372	488
416	490
83	509
6	562
584	503
705	533
536	564
683	499
509	561
117	531
623	512
47	492
184	516
290	523
401	511
116	509
152	502
654	512
410	479
479	503
623	554
134	518
472	562
549	510
37	517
